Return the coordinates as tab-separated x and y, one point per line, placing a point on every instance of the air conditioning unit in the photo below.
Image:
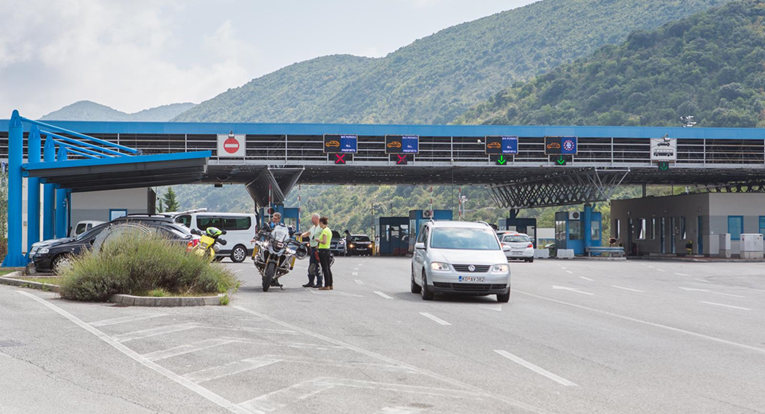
427	214
573	215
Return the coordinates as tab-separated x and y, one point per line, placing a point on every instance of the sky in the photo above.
138	54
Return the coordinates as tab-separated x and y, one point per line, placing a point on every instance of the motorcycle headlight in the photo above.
500	268
290	251
439	266
265	243
44	250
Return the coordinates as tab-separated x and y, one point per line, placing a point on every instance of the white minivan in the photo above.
240	229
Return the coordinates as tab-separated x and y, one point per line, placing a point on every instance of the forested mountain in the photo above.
91	111
437	78
710	65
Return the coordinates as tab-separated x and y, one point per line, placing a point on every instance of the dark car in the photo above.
337	245
360	245
49	257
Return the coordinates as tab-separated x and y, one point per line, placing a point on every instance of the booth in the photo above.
577	230
526	226
419	217
394	236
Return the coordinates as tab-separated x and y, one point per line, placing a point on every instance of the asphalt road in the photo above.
576	337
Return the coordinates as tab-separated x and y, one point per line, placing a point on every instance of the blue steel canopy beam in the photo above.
14	258
85	144
83	136
80	149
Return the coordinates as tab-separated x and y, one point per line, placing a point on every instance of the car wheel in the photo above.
60	261
415	288
531	260
504	297
238	254
424	292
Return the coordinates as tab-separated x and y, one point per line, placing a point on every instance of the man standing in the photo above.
313	261
275	219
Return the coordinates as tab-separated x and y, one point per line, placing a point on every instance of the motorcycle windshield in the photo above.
280	234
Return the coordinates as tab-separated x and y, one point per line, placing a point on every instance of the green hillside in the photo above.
710	65
91	111
439	77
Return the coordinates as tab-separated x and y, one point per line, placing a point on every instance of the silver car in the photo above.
459	257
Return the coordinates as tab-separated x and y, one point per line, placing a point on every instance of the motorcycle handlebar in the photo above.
223	242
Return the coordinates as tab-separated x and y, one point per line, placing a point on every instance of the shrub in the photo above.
137	263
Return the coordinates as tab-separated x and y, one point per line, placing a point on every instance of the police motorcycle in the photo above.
208	245
274	254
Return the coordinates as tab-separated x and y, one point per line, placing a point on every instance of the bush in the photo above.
137	263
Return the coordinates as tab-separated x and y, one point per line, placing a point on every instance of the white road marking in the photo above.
383	295
661	270
248	329
434	319
355	274
650	266
187	349
682	274
626	288
333	293
586	278
356	268
538	370
700	280
359	282
497	308
563	267
572	290
148	333
570	272
401	410
215	398
421	371
232	368
726	306
656	325
714	293
125	319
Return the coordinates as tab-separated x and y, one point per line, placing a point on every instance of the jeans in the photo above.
324	255
313	268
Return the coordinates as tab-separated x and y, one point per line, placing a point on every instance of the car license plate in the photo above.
517	253
472	278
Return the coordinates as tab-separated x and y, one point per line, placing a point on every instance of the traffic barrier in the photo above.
541	253
565	253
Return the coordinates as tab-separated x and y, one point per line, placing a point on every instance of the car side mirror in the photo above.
419	246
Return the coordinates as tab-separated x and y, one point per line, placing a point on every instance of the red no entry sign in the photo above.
230	145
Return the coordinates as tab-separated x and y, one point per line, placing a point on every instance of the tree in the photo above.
171	203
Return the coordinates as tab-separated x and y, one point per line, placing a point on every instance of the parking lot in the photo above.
577	337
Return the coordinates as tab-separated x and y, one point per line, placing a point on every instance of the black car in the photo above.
337	245
360	245
50	256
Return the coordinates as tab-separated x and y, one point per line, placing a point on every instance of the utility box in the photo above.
751	246
725	245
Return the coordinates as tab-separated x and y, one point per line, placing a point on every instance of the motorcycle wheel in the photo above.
269	276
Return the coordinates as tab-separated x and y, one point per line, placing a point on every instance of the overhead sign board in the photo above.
232	146
334	144
663	149
402	144
502	145
561	145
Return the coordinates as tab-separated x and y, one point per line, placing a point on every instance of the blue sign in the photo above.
334	144
561	145
402	144
502	145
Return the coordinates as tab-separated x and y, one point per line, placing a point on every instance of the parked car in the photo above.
84	226
360	245
459	257
240	229
49	257
337	245
521	247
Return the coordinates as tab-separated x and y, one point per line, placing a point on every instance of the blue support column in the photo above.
49	192
15	158
61	202
34	150
587	228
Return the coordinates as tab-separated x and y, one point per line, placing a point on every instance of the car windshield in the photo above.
516	238
463	239
280	233
360	238
91	233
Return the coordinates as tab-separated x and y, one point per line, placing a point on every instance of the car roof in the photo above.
359	235
515	233
215	214
463	224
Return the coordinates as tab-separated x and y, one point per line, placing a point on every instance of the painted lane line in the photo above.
421	371
724	305
650	267
359	282
333	293
355	274
248	329
383	295
626	288
539	370
126	319
401	410
232	368
148	333
209	395
187	349
570	272
355	268
586	278
713	293
682	274
661	270
572	290
654	324
435	319
497	308
281	398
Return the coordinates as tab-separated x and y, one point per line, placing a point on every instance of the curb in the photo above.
130	300
10	281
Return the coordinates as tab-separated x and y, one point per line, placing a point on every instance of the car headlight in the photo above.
500	268
350	245
439	266
44	250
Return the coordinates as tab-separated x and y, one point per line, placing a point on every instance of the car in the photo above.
360	245
49	258
240	229
459	257
333	144
83	226
394	144
494	145
521	247
553	145
337	245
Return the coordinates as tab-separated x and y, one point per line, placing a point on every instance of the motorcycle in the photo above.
208	242
274	255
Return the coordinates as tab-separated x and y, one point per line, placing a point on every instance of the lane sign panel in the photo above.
561	145
402	144
334	144
663	149
502	145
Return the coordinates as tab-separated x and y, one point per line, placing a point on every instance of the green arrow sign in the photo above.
561	160
501	160
664	166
